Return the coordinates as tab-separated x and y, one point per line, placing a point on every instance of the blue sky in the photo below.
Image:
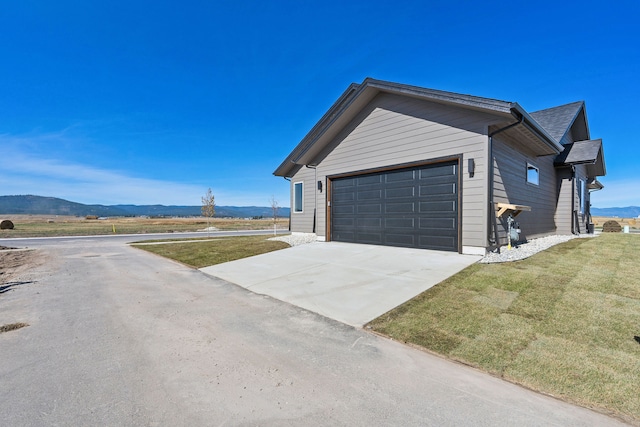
152	102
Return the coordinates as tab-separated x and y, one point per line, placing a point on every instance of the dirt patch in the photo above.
15	262
12	327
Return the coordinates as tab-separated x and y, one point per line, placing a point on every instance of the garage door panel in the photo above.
435	232
437	223
395	208
400	176
340	210
343	185
344	197
406	223
414	207
345	236
370	238
369	223
431	172
437	207
447	189
403	240
348	222
395	193
375	208
369	179
439	243
369	195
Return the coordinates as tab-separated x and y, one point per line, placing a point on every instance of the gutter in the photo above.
533	126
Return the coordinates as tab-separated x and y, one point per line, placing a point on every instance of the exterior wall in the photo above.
303	221
568	210
565	200
567	138
511	186
394	130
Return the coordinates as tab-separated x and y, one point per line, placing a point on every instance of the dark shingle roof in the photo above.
584	152
557	120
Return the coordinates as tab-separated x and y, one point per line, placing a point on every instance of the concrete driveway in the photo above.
351	283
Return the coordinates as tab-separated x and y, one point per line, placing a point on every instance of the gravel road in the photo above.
118	336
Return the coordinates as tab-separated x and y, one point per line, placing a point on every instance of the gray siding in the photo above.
303	221
567	138
511	186
569	201
564	209
394	130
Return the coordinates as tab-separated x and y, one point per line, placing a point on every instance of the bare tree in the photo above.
274	207
208	207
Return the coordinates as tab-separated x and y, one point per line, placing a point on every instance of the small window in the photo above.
581	195
297	197
533	174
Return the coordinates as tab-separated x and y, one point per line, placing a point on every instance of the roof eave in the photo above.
289	164
536	128
595	185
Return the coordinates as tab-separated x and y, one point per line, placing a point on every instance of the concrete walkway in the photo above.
351	283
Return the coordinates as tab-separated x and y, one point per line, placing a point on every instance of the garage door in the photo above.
414	207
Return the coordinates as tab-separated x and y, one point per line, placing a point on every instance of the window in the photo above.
533	174
581	195
297	197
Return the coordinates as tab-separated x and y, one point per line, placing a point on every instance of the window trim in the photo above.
531	166
295	199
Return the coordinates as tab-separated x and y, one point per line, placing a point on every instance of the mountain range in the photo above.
39	205
628	212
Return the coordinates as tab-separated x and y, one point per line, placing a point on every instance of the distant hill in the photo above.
628	212
38	205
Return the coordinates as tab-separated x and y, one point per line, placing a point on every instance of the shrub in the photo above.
6	225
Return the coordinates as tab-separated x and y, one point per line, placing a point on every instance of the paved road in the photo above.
118	336
35	242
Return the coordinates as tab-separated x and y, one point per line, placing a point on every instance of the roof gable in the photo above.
557	121
357	96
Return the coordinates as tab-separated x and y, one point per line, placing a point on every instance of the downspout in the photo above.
492	238
315	195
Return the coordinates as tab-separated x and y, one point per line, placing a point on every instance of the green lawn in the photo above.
565	321
203	253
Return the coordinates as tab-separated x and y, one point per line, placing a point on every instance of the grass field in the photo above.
203	253
50	226
633	223
565	321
